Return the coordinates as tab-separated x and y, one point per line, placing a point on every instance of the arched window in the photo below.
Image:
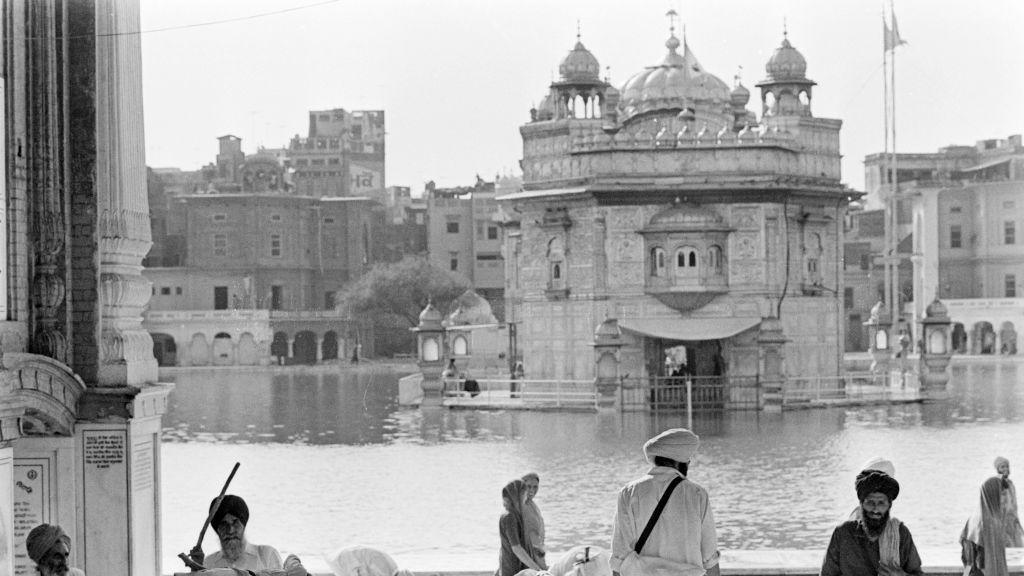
657	262
715	259
460	346
687	261
556	264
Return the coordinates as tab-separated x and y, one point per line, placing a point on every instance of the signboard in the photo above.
31	500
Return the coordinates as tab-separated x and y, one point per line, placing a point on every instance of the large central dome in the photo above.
679	82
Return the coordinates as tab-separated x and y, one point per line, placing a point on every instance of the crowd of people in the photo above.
664	526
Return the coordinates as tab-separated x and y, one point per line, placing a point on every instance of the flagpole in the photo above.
897	310
887	211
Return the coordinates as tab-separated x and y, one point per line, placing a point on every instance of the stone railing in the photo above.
180	315
600	141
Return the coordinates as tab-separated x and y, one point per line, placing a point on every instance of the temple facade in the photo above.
710	234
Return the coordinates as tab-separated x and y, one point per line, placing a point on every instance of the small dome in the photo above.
936	310
685	217
607	331
430	317
739	96
546	109
471	310
580	64
787	63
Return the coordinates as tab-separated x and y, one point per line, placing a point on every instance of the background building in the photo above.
260	267
464	234
342	155
965	215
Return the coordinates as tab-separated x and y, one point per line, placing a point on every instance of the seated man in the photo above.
229	522
49	547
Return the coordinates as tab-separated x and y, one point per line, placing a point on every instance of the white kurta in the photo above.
255	557
684	533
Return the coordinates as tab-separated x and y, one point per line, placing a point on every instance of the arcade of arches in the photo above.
246	349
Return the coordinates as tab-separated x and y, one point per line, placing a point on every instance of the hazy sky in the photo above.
457	78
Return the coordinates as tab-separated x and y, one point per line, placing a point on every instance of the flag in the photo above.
892	35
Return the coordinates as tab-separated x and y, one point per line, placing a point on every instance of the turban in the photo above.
1000	461
881	465
42	538
677	444
230	504
871	481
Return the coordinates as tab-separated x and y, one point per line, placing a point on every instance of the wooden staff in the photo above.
216	505
209	518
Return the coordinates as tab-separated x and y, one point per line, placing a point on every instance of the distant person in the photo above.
663	520
533	522
518	373
1008	503
877	544
49	547
229	522
983	539
515	554
879	464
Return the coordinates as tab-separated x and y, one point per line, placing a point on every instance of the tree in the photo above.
401	289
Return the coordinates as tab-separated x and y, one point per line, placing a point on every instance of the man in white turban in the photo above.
682	540
49	547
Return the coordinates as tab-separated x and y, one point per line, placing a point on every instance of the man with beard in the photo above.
229	522
49	547
875	544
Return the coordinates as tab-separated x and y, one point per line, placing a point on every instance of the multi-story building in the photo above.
464	234
966	208
342	155
261	268
669	207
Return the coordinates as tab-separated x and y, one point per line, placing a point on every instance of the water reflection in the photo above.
346	449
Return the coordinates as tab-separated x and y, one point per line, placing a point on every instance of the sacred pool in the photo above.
329	459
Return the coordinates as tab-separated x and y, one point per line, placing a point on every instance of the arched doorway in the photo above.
984	339
248	352
304	349
329	347
223	350
199	350
279	348
959	338
165	350
1007	339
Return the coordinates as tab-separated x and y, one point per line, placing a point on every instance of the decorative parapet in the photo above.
596	141
38	396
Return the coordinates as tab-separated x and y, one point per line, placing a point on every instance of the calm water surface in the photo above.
330	459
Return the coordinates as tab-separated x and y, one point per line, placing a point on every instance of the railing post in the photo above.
689	403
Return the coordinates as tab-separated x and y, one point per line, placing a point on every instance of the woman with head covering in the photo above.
983	539
1008	500
515	543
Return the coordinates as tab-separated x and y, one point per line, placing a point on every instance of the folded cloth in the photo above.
361	561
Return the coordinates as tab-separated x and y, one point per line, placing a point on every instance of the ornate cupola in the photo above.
678	85
786	91
579	91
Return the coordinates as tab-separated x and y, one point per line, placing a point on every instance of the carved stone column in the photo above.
126	349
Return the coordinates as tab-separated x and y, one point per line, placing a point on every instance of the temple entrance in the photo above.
674	364
165	350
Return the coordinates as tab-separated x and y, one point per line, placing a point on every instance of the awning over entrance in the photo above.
988	164
688	328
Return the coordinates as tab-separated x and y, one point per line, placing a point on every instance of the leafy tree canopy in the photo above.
401	289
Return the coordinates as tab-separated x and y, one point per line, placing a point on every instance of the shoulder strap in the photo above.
656	514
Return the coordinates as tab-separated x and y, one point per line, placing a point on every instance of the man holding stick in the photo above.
229	521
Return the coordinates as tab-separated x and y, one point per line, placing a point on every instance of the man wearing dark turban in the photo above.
873	544
229	521
49	547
